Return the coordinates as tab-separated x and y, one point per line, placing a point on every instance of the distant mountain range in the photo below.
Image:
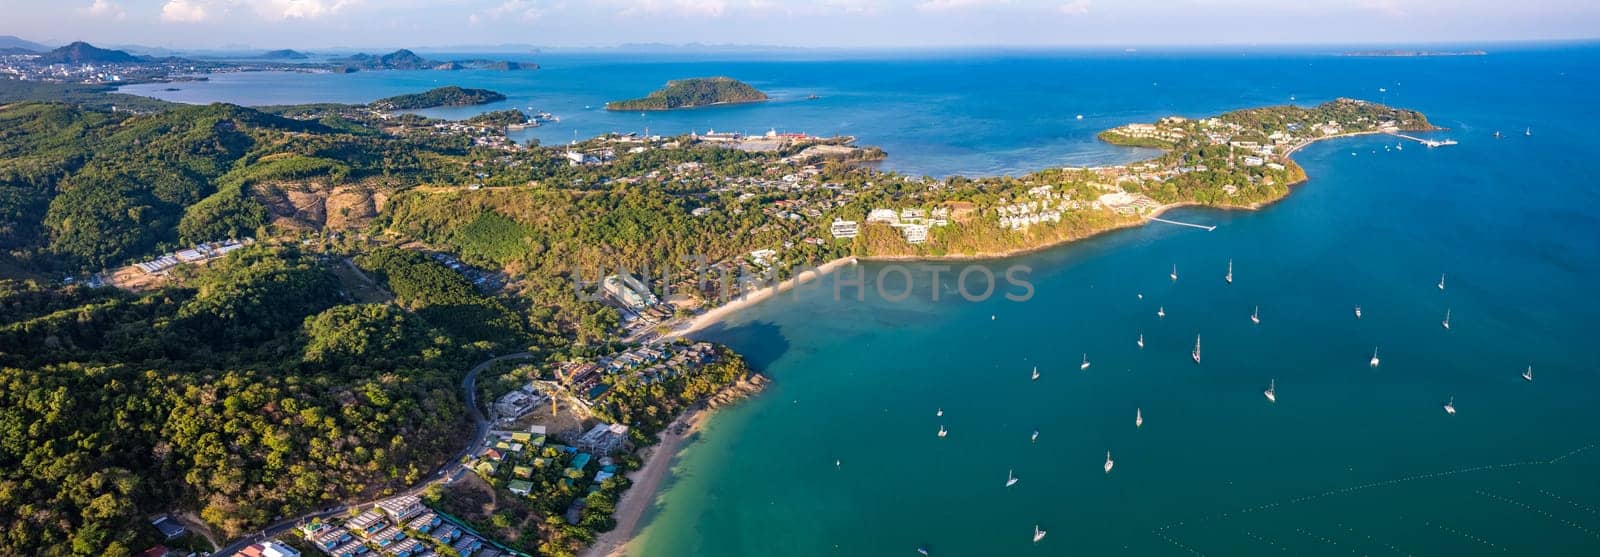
284	54
10	42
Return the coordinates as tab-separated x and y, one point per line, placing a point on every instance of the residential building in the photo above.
844	229
603	438
915	233
269	549
403	508
168	527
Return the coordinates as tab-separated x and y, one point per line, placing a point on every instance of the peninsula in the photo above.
693	93
442	96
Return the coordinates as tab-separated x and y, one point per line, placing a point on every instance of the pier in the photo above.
1192	225
1430	143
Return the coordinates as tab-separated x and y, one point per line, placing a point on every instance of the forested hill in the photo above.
84	190
694	92
442	96
253	391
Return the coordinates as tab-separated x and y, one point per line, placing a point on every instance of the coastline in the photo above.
719	313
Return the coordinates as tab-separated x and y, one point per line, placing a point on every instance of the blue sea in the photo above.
840	455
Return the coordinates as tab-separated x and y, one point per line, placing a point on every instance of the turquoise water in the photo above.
1351	460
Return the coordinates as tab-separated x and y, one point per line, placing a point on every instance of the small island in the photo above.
442	96
693	93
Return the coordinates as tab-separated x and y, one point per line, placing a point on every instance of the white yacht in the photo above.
1141	340
1161	311
1109	462
1441	281
1450	407
1272	390
1446	321
1528	132
1037	534
1196	353
939	412
1229	277
1011	479
1035	373
1174	273
1528	375
942	431
1374	362
1138	418
1358	312
1085	364
1035	437
1256	317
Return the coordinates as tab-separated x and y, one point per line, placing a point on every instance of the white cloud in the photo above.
1075	7
948	5
103	9
299	9
185	11
522	10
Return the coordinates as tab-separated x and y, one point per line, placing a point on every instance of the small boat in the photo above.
1109	462
1446	321
1141	295
1450	407
1528	375
942	431
1196	353
1037	534
1011	479
1441	281
922	549
1498	135
1256	317
1229	277
939	412
1374	362
1080	116
1035	373
1527	132
1085	364
1174	273
1161	311
1138	418
1141	341
1272	390
1358	312
838	463
1399	147
1035	437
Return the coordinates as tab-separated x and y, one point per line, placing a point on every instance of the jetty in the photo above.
1192	225
1426	142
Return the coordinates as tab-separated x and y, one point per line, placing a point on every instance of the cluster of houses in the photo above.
398	527
528	465
913	223
197	254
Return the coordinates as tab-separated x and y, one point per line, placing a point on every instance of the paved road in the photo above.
480	425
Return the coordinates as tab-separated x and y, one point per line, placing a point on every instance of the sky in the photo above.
311	24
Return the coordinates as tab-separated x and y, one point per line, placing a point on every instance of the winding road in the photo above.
480	425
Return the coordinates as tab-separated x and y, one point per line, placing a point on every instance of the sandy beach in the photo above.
646	485
752	298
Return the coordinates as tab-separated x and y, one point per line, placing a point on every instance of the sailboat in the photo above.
1011	479
1374	362
1138	417
1358	312
1272	390
942	431
1256	317
939	412
1229	277
1450	407
1441	281
1141	340
1446	321
922	549
1174	272
1161	311
1037	534
1528	132
1035	437
1528	375
1109	463
1035	373
1196	353
1085	364
1498	135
